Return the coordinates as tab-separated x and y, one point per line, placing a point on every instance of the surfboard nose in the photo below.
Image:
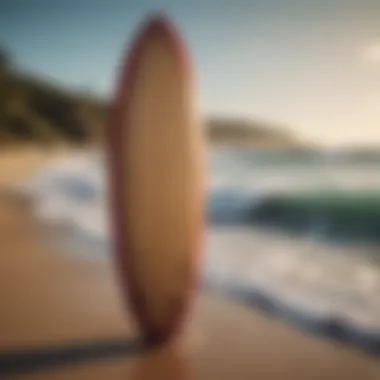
158	22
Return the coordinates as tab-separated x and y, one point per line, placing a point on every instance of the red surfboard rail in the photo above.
121	225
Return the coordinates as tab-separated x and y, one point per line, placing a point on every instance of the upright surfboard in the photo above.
156	160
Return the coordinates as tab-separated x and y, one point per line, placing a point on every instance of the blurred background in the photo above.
289	93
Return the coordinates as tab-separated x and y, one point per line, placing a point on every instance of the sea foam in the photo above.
310	282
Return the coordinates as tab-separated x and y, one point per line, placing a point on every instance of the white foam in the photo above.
306	274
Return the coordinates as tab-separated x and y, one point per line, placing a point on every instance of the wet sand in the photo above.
48	297
18	163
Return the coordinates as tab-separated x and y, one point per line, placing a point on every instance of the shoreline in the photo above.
334	328
74	306
48	297
298	298
327	325
332	325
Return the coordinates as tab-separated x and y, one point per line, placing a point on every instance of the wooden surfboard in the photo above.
156	164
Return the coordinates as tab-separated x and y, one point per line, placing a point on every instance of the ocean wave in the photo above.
326	288
334	216
73	191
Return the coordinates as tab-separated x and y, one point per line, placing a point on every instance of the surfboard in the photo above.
156	161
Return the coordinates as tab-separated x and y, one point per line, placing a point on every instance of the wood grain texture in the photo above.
156	165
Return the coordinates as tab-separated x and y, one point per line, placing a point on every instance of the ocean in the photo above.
294	233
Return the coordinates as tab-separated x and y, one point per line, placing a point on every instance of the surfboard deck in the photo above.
156	179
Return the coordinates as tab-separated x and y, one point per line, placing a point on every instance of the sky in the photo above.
311	65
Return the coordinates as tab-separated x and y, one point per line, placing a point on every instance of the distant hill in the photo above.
34	110
245	132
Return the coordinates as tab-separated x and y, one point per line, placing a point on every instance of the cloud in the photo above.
371	52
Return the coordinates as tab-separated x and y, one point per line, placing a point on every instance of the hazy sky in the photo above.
313	65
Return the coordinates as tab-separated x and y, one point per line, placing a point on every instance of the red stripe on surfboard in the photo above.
157	25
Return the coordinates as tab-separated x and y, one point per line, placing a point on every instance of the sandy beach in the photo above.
50	298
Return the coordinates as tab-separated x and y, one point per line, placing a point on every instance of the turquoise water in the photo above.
331	196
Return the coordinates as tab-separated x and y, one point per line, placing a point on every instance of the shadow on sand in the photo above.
34	359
